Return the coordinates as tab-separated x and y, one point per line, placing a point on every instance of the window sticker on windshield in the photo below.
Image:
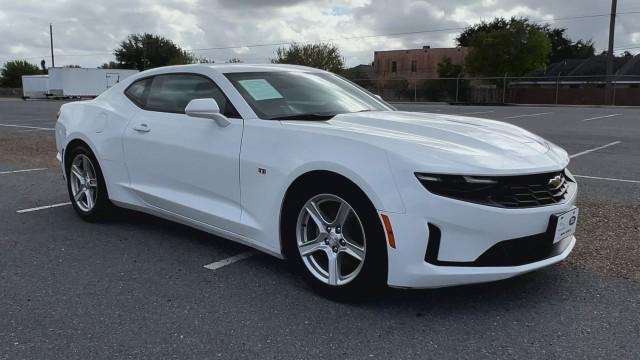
260	89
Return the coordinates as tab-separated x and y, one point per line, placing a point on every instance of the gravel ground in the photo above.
28	149
608	240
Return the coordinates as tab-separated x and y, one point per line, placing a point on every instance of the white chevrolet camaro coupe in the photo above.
304	165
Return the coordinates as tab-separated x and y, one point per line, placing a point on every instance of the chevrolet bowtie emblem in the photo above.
555	181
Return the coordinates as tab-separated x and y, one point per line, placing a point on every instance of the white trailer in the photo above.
35	86
82	82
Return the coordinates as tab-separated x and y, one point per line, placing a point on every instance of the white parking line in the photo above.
609	179
230	260
527	115
476	113
28	127
20	171
42	208
23	120
595	149
601	117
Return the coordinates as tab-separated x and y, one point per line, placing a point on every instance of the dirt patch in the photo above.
608	240
30	150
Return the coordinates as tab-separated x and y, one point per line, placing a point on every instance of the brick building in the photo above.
414	63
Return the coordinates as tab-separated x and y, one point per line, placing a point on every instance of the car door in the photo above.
184	165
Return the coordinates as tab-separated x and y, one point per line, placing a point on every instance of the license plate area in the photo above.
564	224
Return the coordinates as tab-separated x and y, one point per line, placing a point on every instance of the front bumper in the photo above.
467	232
59	157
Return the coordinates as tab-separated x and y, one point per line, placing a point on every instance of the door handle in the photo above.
142	128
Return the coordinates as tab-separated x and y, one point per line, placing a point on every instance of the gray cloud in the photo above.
93	29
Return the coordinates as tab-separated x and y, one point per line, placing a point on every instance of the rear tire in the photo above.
86	185
333	236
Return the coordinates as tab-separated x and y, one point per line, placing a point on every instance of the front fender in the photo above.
374	179
274	155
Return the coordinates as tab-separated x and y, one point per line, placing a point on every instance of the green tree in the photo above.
447	69
360	77
201	60
562	47
111	65
321	56
517	49
445	87
12	71
464	39
146	51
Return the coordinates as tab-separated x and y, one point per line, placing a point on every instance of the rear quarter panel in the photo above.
99	123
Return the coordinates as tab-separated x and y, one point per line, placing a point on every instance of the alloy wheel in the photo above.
84	185
331	239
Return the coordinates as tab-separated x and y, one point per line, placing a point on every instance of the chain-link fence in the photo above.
570	90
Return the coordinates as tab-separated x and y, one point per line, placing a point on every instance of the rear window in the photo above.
138	90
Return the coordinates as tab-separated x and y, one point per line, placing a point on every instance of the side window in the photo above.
137	91
172	93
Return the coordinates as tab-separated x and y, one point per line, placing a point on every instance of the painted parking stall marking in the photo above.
596	149
601	117
527	115
607	179
476	113
28	127
42	208
230	260
21	171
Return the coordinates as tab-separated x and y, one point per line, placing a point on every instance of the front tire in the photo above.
334	238
86	185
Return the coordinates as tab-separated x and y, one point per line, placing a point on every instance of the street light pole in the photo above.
53	62
610	56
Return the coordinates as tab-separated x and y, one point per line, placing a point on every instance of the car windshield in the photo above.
298	95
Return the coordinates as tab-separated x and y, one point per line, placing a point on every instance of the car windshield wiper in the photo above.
310	116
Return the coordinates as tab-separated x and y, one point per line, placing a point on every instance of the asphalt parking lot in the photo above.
137	286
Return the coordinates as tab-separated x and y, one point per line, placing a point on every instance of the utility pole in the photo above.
610	55
53	62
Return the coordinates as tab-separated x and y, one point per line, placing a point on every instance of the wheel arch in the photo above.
73	143
310	178
79	141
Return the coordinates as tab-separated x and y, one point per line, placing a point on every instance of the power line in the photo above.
282	43
390	34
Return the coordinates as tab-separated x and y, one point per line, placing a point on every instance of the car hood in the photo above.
447	142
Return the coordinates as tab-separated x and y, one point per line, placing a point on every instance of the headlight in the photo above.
502	191
449	185
569	175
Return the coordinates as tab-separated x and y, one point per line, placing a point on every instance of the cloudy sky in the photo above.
86	32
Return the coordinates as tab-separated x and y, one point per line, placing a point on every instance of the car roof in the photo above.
228	68
239	67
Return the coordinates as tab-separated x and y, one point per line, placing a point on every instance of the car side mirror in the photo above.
207	109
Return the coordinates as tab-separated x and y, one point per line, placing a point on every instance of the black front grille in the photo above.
530	190
518	191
